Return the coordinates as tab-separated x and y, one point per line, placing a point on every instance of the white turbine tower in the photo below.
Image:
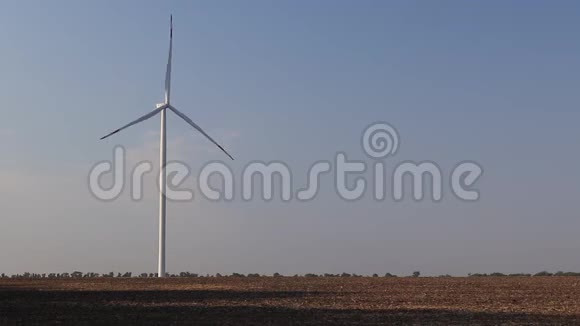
161	108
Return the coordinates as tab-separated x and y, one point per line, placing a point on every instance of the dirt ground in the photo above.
292	301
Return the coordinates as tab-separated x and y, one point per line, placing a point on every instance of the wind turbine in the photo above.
162	108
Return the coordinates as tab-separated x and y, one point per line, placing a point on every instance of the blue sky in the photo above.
296	81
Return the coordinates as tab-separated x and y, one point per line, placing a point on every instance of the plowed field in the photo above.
292	300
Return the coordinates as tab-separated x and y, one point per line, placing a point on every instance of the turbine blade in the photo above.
168	68
143	118
198	128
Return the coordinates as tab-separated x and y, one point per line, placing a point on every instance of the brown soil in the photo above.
292	301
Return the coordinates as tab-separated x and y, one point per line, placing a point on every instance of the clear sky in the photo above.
495	82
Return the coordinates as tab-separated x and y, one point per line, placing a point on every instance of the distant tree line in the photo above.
77	274
542	273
